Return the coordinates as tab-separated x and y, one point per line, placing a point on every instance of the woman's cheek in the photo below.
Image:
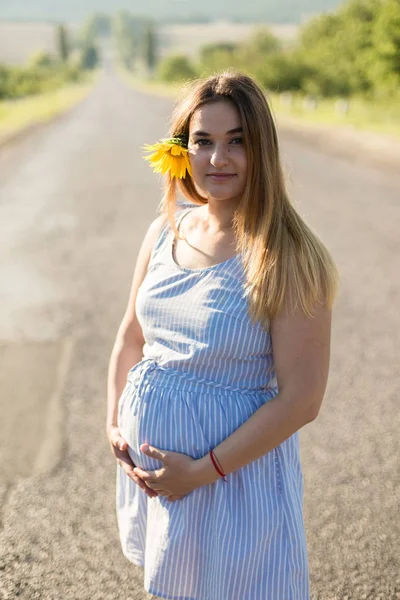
198	171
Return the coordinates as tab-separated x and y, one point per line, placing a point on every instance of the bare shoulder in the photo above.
130	327
149	240
158	223
153	232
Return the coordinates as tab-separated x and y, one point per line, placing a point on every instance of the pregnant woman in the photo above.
221	357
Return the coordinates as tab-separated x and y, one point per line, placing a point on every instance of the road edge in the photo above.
36	125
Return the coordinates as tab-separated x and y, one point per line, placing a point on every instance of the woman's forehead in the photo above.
215	116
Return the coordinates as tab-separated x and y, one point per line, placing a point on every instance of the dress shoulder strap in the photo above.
182	212
162	238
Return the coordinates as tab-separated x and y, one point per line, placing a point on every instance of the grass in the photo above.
16	115
366	115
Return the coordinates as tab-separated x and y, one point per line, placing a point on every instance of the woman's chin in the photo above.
221	195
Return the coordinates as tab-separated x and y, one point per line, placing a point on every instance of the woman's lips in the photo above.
221	176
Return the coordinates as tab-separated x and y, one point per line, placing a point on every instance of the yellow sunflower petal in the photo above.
165	164
176	150
176	169
188	165
151	148
156	156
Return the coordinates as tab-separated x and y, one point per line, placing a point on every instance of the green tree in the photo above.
253	53
259	54
385	69
263	42
176	68
319	50
100	24
4	82
217	56
150	47
89	58
338	49
128	34
88	35
124	39
62	43
283	71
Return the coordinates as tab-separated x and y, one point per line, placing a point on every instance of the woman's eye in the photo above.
205	142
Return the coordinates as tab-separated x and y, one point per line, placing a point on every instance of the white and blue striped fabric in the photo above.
206	369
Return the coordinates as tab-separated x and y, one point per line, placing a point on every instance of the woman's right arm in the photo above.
126	352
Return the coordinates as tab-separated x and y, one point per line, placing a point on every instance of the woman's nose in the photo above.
219	156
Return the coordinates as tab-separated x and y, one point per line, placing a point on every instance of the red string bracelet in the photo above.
217	468
218	463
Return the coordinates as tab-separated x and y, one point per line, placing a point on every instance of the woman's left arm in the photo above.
301	347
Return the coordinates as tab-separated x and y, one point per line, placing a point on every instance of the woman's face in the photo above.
217	152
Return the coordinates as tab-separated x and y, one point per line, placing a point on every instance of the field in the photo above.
188	38
18	41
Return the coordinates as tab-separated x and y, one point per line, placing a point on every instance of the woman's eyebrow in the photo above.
205	134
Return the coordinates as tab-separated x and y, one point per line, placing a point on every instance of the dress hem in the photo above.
136	561
167	596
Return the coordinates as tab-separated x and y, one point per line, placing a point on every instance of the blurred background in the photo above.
337	61
82	87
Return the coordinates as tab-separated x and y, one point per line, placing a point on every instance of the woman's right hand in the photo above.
119	448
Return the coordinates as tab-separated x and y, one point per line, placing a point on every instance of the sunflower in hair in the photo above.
169	155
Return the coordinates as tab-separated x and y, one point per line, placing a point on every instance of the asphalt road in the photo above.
75	200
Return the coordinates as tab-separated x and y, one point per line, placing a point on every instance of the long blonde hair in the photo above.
282	257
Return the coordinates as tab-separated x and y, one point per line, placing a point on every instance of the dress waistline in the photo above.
149	368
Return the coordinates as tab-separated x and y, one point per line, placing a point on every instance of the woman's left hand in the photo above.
176	478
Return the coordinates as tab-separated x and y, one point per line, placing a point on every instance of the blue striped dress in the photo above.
206	369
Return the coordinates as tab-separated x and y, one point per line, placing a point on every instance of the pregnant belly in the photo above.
191	421
164	419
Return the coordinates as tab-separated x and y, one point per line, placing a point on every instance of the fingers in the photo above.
125	462
163	493
147	481
154	484
128	469
144	474
151	493
118	441
153	452
151	479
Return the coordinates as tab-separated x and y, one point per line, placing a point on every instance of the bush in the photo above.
89	57
176	68
40	60
283	72
4	80
18	82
